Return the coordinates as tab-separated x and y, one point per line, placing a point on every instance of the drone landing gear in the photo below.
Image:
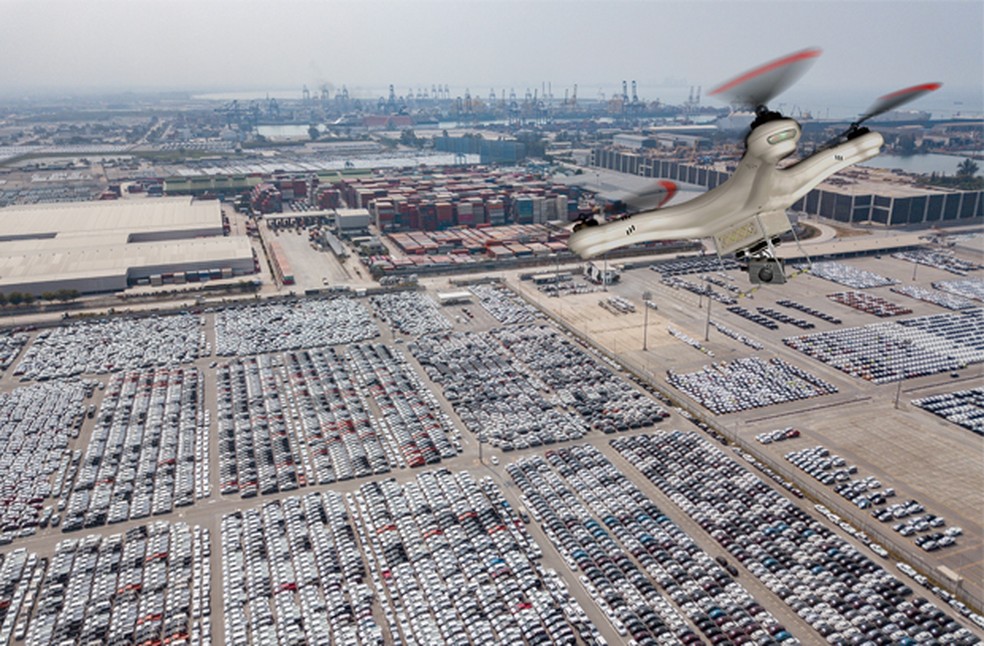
763	266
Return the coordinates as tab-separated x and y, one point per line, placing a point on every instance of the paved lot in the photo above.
918	454
921	456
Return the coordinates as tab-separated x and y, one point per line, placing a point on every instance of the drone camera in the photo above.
766	272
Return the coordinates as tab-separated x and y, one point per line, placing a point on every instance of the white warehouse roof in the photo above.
101	246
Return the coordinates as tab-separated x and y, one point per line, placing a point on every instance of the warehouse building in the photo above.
863	201
107	246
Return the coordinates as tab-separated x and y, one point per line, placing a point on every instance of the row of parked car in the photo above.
149	585
972	288
806	309
492	393
693	265
303	418
503	304
778	435
736	335
417	429
291	325
782	317
411	313
113	344
742	384
936	297
889	351
617	305
841	593
567	286
869	303
938	258
580	381
292	572
700	289
38	421
10	346
962	407
442	558
754	317
650	578
867	493
275	437
141	458
848	275
458	565
689	340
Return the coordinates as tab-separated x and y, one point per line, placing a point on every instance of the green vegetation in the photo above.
966	178
63	295
18	298
409	138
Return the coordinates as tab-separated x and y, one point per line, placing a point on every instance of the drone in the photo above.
746	215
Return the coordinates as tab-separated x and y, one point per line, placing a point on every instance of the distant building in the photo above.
107	246
855	201
352	222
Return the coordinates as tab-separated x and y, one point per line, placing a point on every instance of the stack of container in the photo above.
495	212
328	198
265	198
445	214
383	214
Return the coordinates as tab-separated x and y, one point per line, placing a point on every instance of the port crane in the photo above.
746	215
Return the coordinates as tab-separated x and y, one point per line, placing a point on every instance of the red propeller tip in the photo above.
925	87
768	67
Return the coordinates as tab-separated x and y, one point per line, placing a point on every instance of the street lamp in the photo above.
604	275
707	326
646	297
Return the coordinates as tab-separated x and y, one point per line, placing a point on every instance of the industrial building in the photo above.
106	246
861	200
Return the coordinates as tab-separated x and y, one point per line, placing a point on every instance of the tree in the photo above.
28	298
313	132
967	169
15	298
3	299
409	138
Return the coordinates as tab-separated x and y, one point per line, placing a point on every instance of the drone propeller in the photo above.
882	105
896	99
755	88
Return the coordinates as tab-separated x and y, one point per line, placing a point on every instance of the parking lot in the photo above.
147	454
930	461
357	435
839	591
442	560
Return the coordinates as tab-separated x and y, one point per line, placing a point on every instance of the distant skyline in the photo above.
870	48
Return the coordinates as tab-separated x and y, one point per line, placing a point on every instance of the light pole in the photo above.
604	275
707	326
646	297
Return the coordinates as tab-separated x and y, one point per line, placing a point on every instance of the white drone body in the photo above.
748	209
746	215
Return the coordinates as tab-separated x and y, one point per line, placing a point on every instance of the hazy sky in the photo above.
874	47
